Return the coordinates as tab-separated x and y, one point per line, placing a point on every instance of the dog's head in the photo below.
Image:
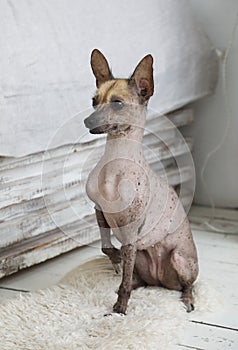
118	103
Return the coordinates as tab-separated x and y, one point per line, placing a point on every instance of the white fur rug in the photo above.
71	315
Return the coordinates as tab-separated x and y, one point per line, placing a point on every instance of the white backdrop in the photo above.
44	63
212	117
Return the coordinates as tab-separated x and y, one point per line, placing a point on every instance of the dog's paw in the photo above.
188	298
189	304
114	255
190	308
120	307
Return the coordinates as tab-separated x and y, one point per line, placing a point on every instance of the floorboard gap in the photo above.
215	325
191	347
15	289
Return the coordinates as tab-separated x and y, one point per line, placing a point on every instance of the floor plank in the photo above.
214	220
204	337
218	268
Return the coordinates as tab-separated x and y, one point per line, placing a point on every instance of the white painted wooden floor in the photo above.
218	256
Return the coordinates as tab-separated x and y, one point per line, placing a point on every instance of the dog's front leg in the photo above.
129	257
107	246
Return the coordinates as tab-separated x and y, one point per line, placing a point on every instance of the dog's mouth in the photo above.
111	129
101	129
107	128
96	131
95	125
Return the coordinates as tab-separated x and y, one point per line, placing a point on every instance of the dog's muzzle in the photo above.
96	123
101	121
94	127
91	122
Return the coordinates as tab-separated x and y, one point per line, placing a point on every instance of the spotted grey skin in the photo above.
141	209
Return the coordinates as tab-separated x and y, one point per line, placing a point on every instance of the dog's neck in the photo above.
125	144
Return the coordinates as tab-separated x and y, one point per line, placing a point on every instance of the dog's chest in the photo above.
119	188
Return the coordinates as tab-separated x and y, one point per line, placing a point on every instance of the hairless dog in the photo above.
142	210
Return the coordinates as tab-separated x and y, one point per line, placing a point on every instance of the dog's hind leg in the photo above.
113	253
187	270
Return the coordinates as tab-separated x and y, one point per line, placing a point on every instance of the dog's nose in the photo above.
88	122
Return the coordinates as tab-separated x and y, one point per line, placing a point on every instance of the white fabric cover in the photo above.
44	63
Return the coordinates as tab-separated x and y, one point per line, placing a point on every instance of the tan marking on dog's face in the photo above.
117	108
113	90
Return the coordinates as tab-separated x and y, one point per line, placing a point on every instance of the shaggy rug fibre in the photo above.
71	315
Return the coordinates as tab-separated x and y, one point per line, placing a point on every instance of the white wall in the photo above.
218	18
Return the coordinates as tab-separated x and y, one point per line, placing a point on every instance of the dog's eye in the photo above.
117	105
94	102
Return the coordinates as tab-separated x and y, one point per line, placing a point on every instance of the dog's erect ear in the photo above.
143	77
100	68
